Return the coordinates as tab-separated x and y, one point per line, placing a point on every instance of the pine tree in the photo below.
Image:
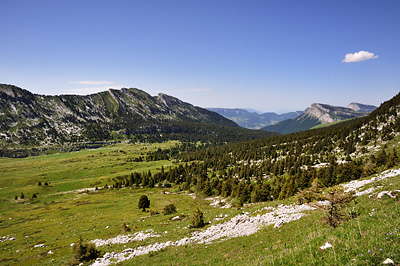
392	159
144	203
337	199
197	219
381	158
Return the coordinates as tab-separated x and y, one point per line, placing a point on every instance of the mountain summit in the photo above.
33	120
358	107
318	114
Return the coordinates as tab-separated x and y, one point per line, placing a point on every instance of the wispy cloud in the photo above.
92	86
190	90
92	82
88	90
360	56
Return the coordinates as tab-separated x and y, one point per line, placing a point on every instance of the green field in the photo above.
45	227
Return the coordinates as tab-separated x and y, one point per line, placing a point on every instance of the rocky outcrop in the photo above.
328	113
358	107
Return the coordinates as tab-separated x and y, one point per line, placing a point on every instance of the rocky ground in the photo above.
240	225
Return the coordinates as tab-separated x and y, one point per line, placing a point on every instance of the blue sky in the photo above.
265	55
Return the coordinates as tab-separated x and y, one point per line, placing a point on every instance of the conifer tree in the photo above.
144	203
197	219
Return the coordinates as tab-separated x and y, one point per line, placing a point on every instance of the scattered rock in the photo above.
388	261
383	193
240	225
122	239
325	246
355	184
175	218
6	238
323	203
365	192
219	202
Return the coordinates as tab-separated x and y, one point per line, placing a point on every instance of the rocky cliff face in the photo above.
358	107
328	113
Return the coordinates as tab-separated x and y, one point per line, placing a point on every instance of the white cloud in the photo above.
91	90
91	82
190	90
357	57
93	86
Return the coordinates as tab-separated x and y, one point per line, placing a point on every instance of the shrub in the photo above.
125	227
337	199
169	209
166	183
84	252
154	212
197	219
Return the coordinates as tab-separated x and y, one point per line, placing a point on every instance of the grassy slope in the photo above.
57	219
331	124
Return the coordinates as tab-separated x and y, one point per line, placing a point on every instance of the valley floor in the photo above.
43	230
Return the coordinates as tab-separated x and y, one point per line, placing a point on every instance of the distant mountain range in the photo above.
318	114
32	120
253	120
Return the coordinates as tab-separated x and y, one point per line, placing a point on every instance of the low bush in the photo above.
84	252
169	209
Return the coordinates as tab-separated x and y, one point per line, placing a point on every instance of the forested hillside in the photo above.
278	167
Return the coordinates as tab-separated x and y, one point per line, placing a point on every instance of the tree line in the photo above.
278	167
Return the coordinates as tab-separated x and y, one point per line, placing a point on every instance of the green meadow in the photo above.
44	227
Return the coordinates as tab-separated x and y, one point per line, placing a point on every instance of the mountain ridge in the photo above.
253	120
28	119
318	114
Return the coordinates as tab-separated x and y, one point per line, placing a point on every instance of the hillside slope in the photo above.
254	120
31	120
318	114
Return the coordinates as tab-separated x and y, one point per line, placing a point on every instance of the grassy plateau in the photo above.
40	230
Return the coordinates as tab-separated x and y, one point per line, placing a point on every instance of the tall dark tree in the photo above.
144	203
